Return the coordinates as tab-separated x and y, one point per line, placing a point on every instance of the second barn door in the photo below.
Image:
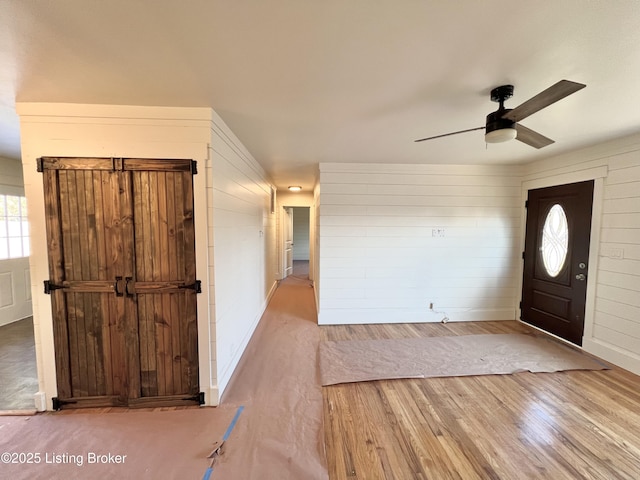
122	279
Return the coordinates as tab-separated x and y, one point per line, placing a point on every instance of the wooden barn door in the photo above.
121	251
162	286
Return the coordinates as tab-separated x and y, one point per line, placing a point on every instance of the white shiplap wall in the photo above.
244	251
612	319
395	238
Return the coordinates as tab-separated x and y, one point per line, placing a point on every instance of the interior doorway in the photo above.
556	259
18	373
296	241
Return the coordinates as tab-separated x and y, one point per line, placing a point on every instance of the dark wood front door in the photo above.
121	251
556	259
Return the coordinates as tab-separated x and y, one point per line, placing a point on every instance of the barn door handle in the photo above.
116	286
126	287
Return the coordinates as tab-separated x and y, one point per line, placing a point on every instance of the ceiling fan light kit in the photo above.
502	125
501	135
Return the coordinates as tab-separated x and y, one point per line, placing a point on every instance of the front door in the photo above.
556	259
121	251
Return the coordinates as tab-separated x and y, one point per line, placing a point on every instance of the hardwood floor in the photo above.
18	375
564	425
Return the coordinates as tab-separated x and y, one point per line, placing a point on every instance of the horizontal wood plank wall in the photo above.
615	328
396	238
244	251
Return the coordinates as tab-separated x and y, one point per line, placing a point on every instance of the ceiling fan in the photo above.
502	125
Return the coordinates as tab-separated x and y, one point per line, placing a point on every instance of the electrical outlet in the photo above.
616	253
437	232
612	252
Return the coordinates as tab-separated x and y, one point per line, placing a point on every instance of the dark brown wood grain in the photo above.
122	247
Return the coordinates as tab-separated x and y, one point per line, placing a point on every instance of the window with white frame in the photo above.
14	227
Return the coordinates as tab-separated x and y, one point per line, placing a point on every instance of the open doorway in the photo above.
18	374
296	237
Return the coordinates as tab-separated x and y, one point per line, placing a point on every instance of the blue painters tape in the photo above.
209	471
232	424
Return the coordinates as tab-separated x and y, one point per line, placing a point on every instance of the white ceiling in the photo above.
303	81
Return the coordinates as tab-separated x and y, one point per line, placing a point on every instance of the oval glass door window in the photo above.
555	240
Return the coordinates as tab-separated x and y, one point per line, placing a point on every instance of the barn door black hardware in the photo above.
194	286
58	403
128	292
49	287
196	398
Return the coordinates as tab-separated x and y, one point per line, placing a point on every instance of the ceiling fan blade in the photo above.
532	138
449	134
551	95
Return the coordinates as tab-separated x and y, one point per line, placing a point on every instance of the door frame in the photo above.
281	242
285	263
598	175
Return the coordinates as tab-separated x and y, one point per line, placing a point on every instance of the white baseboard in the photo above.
211	396
347	316
40	401
613	354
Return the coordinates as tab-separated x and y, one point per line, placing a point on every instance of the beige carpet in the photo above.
366	360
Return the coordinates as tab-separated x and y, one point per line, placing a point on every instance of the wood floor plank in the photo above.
573	424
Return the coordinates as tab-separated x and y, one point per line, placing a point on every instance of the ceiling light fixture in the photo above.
501	135
295	188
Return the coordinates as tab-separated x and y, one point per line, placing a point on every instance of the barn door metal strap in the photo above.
49	287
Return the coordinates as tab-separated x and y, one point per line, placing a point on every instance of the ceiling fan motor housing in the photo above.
496	122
